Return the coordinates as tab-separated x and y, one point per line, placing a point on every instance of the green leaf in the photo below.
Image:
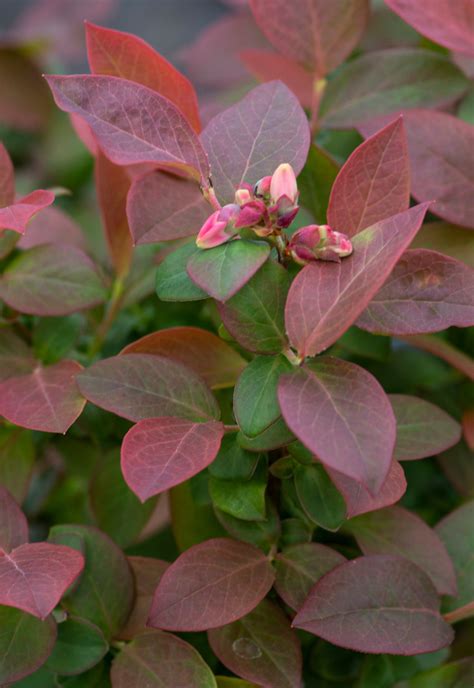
79	647
233	462
53	338
244	499
294	531
319	497
365	344
98	677
315	182
453	675
229	682
192	523
172	280
275	436
457	532
454	241
256	404
17	455
262	533
466	107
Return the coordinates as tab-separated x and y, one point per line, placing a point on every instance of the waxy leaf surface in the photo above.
456	532
426	292
341	414
117	53
156	660
373	184
132	123
158	453
395	530
260	647
17	215
13	523
34	577
48	399
326	298
161	207
211	584
423	429
250	139
376	604
138	386
223	270
316	33
52	280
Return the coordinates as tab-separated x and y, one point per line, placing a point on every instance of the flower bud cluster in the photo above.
319	242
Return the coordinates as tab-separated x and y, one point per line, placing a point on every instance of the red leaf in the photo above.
15	356
373	184
317	33
17	215
138	386
426	292
147	573
52	226
46	400
380	604
158	453
34	577
209	585
210	357
250	139
326	298
155	132
446	22
359	500
116	53
7	178
342	415
161	207
399	532
13	523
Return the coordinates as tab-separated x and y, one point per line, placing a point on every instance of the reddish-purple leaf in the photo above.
359	500
373	184
52	226
380	604
326	298
202	351
209	585
17	215
250	139
155	132
116	53
7	178
446	22
423	429
13	523
161	207
268	66
260	647
299	567
426	292
147	574
399	532
46	400
16	358
317	33
341	414
158	453
138	386
34	577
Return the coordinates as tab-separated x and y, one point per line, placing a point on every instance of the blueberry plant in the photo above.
236	446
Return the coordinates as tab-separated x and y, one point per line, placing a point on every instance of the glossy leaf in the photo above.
172	280
423	429
299	567
79	646
373	184
445	22
210	357
20	631
326	298
395	530
17	215
387	81
104	595
211	584
48	399
332	394
13	523
160	659
222	271
315	182
52	280
242	499
396	614
117	53
16	358
318	34
34	577
7	178
255	315
161	207
275	436
147	573
128	134
320	499
158	453
232	462
138	386
270	127
455	530
260	647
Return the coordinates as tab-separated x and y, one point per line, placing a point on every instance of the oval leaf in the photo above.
321	501
457	534
17	215
13	523
172	280
211	584
80	646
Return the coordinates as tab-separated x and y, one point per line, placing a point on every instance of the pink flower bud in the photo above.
319	242
283	212
219	227
283	183
251	214
262	187
243	196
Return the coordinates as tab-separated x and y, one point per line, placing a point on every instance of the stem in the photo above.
231	428
460	614
111	312
210	196
293	358
319	86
